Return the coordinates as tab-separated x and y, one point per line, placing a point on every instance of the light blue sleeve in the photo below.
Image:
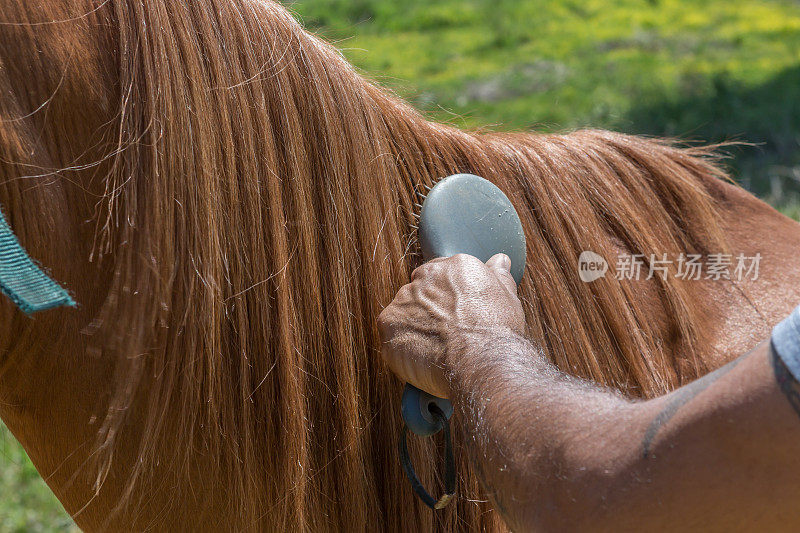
786	342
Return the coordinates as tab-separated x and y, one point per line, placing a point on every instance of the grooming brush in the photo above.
461	214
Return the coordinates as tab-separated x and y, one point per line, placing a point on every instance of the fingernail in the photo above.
505	261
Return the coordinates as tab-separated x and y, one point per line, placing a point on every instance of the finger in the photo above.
499	261
500	265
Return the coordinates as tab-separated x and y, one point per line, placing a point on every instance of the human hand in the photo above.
449	304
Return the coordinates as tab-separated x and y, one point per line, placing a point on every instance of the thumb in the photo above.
500	265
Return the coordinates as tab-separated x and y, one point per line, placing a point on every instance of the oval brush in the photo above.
461	214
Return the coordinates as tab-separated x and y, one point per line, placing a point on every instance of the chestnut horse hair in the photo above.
254	212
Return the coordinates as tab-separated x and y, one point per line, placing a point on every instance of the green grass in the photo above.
26	503
705	70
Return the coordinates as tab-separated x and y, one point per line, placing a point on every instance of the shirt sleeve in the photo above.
786	342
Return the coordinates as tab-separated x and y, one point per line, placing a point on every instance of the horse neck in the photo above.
286	231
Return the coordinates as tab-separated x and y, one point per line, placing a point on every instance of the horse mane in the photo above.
258	215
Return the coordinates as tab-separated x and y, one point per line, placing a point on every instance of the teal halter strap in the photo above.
22	280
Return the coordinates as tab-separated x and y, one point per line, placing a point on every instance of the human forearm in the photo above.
555	452
538	438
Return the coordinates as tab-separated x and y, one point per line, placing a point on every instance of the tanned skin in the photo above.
558	453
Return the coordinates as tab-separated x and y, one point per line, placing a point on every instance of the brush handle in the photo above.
415	409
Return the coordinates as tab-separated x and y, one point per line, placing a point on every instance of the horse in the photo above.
231	204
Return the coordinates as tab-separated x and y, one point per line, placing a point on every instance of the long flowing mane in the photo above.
257	215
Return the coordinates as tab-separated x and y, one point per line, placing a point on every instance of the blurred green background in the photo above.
703	70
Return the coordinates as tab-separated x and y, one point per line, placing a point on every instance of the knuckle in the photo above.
387	321
383	317
422	270
468	260
405	292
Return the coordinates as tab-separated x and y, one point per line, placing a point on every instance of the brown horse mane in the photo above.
256	214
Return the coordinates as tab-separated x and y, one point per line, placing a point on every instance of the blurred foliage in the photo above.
703	70
26	504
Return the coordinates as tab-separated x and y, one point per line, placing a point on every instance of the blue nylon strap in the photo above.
786	342
22	280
